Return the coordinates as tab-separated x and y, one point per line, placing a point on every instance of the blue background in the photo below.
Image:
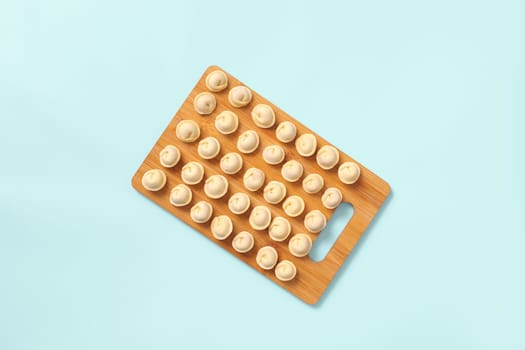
427	94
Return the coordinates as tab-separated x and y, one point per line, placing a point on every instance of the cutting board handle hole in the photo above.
333	229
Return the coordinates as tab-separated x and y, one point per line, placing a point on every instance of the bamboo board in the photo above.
366	195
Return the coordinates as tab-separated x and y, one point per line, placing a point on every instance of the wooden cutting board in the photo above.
366	195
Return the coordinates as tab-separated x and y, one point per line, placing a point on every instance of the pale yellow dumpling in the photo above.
286	132
293	206
209	148
273	154
248	141
243	242
169	156
192	173
327	157
187	131
180	195
331	198
313	183
274	192
315	221
216	186
221	227
217	81
154	180
201	212
231	163
285	271
226	122
263	116
204	103
279	229
260	217
267	257
239	203
292	171
239	96
300	245
253	179
349	172
306	145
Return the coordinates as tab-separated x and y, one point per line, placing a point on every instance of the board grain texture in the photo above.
366	195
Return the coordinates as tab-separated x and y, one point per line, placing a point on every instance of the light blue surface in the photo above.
428	94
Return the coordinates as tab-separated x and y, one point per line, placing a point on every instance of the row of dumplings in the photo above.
231	163
216	186
274	192
260	218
